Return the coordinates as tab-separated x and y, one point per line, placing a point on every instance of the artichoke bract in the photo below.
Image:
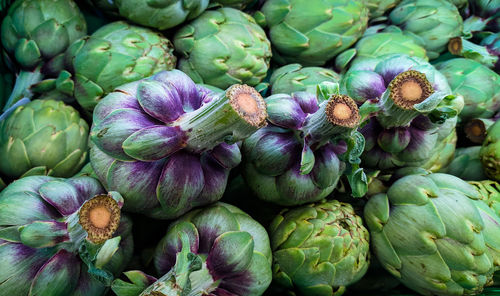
167	145
414	125
434	234
466	164
223	47
479	86
36	31
435	21
43	137
294	78
218	250
319	249
379	7
312	32
156	14
56	237
116	54
295	160
490	152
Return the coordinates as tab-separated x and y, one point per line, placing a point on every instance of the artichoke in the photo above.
479	86
43	137
490	193
56	237
466	164
167	145
434	21
319	249
35	32
391	40
218	250
295	160
223	47
312	32
379	7
120	53
459	46
490	152
414	124
156	14
369	77
294	78
434	234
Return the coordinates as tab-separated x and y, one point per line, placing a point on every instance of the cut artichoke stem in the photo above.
475	129
97	220
404	92
24	80
230	118
338	115
459	46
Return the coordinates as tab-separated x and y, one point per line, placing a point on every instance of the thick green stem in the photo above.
229	118
24	81
338	115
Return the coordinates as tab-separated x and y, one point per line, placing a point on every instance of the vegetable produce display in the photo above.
250	148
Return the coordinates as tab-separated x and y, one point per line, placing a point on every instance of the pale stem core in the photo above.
342	111
411	91
100	217
247	103
455	45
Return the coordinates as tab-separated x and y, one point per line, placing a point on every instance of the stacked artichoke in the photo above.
246	148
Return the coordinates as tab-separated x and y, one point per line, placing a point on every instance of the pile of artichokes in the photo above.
247	148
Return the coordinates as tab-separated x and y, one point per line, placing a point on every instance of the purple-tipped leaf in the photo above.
185	87
160	101
230	253
228	156
155	142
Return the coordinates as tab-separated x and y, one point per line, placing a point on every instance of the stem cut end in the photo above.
455	46
342	110
410	88
100	217
475	130
248	103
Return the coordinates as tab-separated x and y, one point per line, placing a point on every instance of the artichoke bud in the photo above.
394	140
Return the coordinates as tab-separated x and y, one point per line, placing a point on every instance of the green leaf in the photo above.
107	251
307	160
325	90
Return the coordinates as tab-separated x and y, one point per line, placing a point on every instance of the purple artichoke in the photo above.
295	160
369	77
215	251
414	125
167	145
56	237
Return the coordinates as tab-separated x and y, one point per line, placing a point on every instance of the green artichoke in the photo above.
56	237
35	32
43	137
217	250
490	152
466	164
477	84
294	78
312	32
434	234
379	7
492	44
319	249
490	193
156	14
435	21
115	54
223	47
373	44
